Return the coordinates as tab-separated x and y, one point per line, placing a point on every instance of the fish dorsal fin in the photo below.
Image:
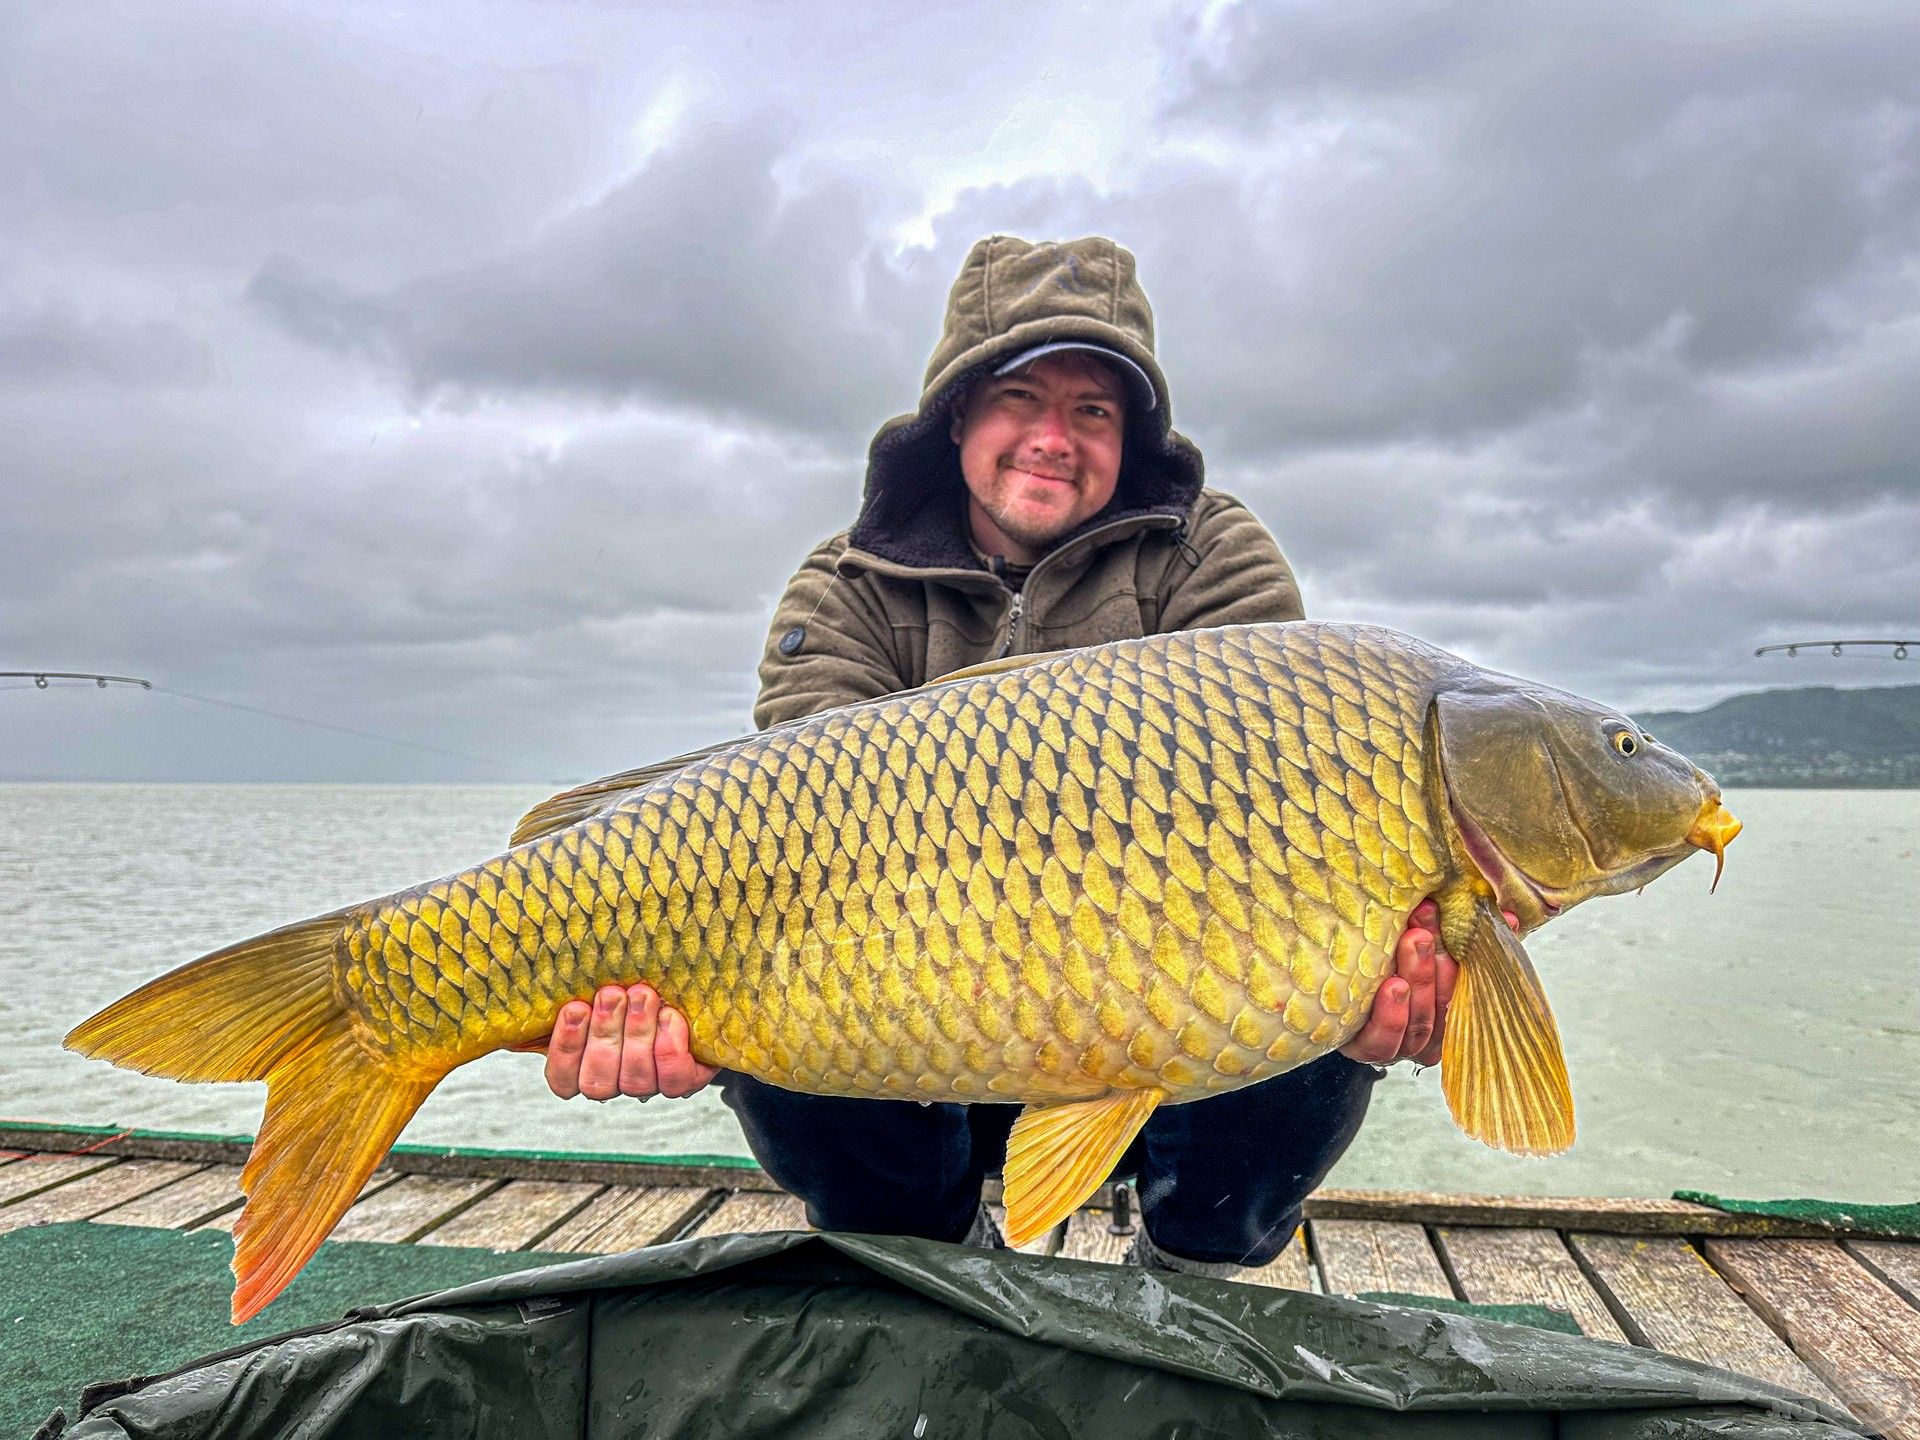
1501	1065
570	807
1058	1155
994	667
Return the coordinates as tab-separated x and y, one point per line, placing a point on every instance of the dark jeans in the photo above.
1220	1179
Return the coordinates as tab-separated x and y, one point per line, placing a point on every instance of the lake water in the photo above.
1763	1042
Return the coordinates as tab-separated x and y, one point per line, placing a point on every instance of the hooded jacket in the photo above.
903	597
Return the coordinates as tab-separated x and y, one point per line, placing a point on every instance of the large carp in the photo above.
1094	882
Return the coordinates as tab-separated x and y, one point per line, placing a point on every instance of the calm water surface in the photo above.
1765	1041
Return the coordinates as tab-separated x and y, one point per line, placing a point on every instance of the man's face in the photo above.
1040	450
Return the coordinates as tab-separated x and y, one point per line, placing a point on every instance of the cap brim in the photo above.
1142	382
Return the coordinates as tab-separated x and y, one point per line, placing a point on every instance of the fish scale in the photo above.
1179	862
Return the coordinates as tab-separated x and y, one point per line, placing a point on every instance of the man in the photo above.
1038	499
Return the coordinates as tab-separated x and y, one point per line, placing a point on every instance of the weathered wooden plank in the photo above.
1601	1214
1362	1255
226	1220
1597	1215
411	1206
1090	1237
1526	1267
1895	1261
749	1212
87	1196
402	1159
514	1216
1291	1269
183	1204
1669	1298
628	1217
37	1173
1850	1327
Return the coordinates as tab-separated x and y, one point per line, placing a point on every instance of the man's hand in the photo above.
625	1042
1410	1008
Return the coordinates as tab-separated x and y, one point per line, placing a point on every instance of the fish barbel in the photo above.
1093	882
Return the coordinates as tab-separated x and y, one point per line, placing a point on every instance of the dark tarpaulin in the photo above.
789	1335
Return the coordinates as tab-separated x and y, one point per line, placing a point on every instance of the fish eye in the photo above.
1626	742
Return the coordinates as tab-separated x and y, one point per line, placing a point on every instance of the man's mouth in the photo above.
1041	475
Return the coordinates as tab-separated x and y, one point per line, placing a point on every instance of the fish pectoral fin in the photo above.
1058	1155
1501	1065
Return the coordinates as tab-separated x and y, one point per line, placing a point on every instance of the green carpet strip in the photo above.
1900	1221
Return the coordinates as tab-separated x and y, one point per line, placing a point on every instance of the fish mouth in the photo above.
1714	830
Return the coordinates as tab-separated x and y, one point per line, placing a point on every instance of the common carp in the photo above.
1092	882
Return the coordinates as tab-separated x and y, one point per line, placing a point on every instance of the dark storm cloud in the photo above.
55	344
483	383
1467	213
697	281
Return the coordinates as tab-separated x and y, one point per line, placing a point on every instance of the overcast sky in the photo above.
478	374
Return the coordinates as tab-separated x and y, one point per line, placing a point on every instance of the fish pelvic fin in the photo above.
1058	1155
1501	1064
267	1009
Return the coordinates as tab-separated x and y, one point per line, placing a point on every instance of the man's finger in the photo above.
636	1055
1416	967
564	1048
600	1066
1446	974
680	1074
1379	1042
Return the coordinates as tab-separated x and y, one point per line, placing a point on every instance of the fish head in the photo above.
1555	799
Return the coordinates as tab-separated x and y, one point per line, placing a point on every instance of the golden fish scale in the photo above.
1179	862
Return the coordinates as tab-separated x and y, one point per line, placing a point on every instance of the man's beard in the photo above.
1035	534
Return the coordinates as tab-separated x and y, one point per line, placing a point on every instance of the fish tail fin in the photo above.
237	1014
333	1112
267	1009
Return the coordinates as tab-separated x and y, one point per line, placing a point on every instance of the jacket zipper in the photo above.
1013	616
1013	627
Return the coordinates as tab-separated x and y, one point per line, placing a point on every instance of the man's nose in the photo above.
1051	431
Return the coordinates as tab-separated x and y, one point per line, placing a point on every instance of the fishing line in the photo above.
493	761
67	679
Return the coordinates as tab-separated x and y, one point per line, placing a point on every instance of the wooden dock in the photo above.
1833	1316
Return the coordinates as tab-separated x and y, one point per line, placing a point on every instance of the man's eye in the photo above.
1099	412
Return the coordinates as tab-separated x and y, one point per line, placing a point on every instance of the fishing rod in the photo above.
1837	647
44	679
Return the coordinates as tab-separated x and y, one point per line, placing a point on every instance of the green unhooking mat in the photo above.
1898	1221
782	1336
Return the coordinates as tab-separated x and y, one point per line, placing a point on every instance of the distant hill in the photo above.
1817	736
